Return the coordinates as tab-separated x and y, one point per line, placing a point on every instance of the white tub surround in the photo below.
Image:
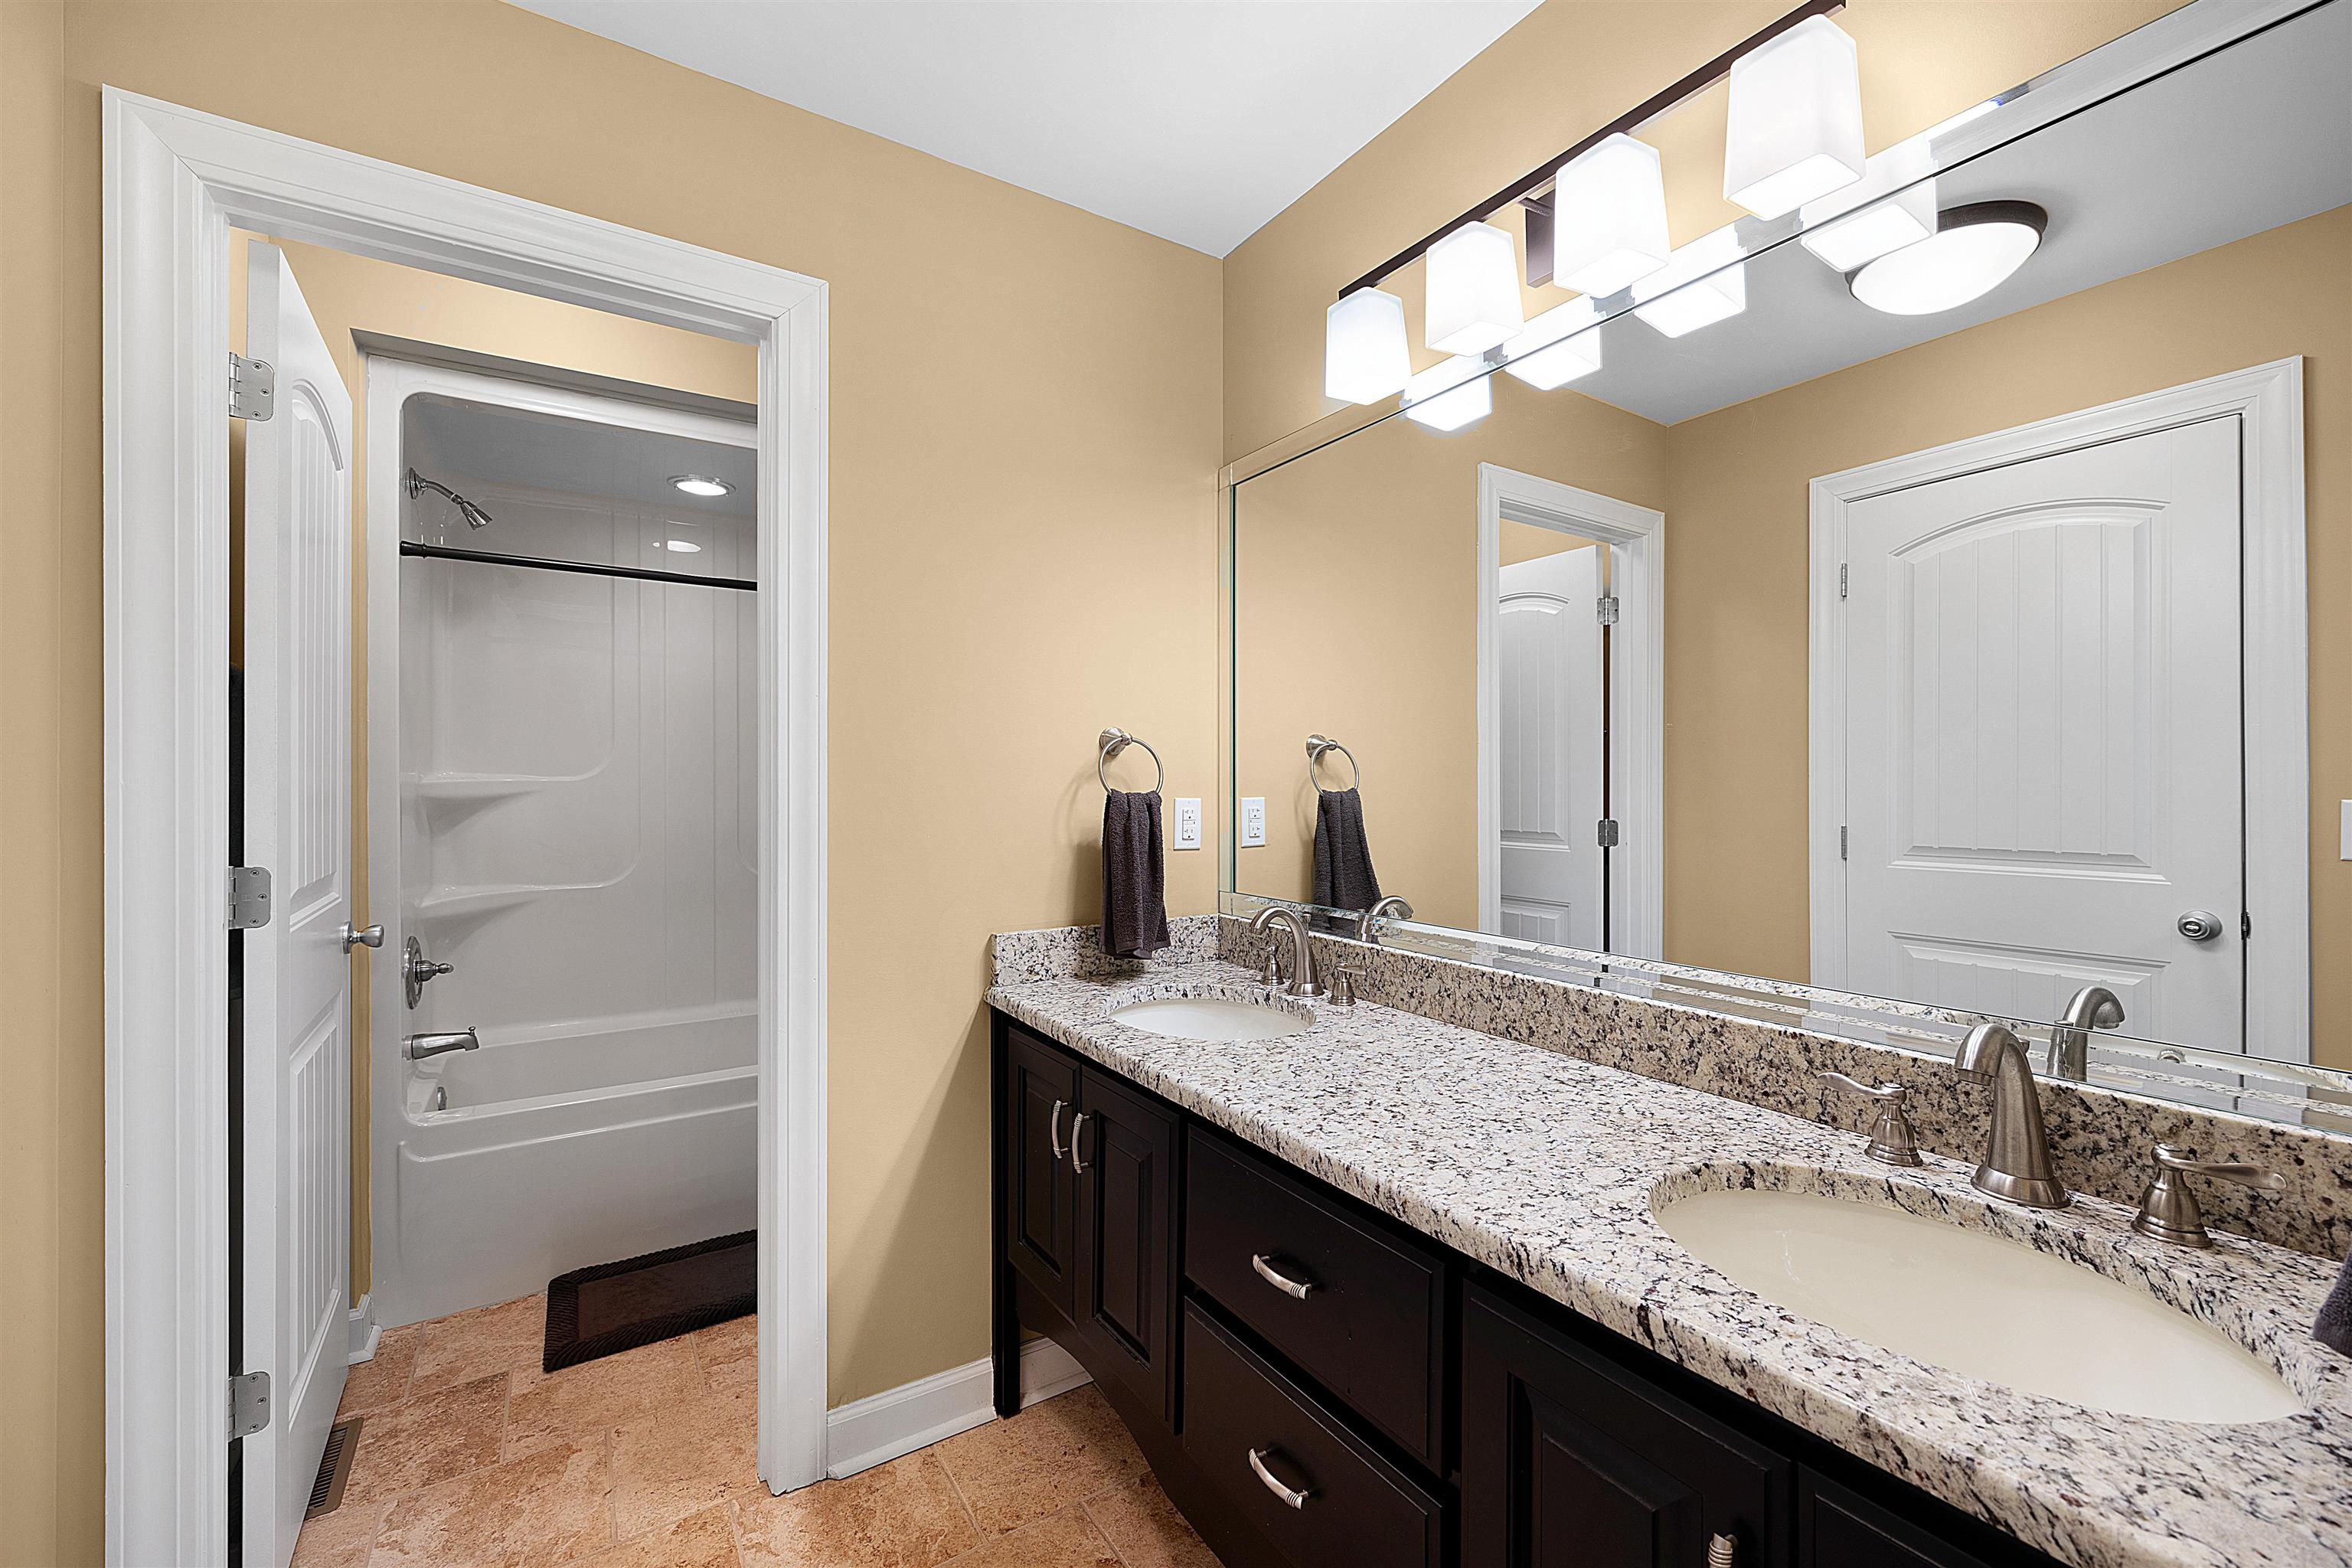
1548	1168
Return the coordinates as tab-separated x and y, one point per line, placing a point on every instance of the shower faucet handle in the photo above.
416	969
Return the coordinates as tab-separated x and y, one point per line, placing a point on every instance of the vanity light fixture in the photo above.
1558	346
1854	227
1975	249
1474	291
1795	127
1608	216
701	484
1450	394
1701	283
1365	356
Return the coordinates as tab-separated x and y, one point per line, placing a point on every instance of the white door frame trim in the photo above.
1637	767
174	181
2268	401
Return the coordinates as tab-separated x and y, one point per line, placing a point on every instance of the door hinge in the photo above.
252	387
1841	579
249	897
2245	926
1609	834
1841	841
1607	606
248	1405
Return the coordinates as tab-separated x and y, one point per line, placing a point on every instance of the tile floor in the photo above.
470	1455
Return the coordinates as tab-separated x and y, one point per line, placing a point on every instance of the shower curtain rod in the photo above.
586	568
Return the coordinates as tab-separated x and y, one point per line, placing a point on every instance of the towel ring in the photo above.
1110	743
1318	744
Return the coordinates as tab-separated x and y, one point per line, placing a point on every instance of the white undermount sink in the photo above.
1979	1305
1209	1018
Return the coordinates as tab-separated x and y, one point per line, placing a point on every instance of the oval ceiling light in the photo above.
1450	394
1558	346
1474	291
1701	283
1608	216
1974	250
701	484
1795	125
1365	356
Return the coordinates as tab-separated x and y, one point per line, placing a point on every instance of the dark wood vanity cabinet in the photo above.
1316	1384
1570	1461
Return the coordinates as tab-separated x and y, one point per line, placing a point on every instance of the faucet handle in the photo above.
1892	1140
1344	980
2168	1210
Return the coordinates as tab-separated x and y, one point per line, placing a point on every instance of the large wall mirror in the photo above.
1948	638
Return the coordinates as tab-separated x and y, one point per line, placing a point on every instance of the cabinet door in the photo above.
1041	1224
1570	1461
1126	1154
1837	1528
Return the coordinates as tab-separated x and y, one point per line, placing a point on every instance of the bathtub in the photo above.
556	1147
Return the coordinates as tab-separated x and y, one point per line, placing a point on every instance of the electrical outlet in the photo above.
1253	820
1188	824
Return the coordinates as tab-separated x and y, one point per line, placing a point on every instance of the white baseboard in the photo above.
364	1332
868	1432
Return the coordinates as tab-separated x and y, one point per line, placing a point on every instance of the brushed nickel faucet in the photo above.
2168	1210
422	1046
2017	1164
1302	949
1367	924
2092	1007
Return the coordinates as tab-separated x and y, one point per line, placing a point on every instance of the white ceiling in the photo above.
1193	120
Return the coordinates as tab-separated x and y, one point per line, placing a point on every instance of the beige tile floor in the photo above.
470	1455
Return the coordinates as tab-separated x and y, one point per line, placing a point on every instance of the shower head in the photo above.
475	516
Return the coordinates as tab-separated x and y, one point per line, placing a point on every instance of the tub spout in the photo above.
420	1046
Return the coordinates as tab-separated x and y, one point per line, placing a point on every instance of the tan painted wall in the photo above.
1357	618
1571	66
348	292
1736	880
1010	430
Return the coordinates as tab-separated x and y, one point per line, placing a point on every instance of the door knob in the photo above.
354	937
2199	925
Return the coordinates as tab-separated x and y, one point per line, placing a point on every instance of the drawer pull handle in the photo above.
1077	1123
1720	1550
1054	1131
1295	1499
1282	1282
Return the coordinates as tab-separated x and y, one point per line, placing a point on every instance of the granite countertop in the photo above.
1548	1169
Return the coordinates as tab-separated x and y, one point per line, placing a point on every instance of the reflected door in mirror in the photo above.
1553	749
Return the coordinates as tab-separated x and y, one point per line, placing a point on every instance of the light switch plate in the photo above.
1253	820
2344	846
1187	823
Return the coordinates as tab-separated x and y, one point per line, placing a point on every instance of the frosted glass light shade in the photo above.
1608	216
1474	291
1365	356
1858	225
1975	249
1556	347
1703	282
1795	129
1450	394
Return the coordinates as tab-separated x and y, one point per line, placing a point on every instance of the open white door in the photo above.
2042	770
298	797
1553	750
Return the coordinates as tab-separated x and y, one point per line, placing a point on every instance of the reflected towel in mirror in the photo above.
1135	877
1344	878
2333	1327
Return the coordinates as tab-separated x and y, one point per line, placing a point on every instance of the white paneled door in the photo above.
2044	768
298	994
1553	748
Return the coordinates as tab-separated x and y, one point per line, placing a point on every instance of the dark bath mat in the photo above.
614	1306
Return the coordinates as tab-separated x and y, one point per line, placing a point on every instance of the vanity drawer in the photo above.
1358	1509
1371	1326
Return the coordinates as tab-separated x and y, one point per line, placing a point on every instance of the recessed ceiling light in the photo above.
701	484
1973	250
683	546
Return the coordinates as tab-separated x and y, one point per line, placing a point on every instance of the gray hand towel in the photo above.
1135	878
2333	1327
1343	855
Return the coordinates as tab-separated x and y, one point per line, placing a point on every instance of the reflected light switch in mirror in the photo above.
1188	824
1253	820
2344	834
